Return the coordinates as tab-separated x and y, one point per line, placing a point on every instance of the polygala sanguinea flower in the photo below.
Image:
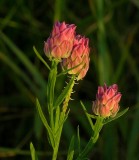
79	58
60	42
107	101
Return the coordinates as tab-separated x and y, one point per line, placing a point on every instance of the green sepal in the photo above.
32	150
87	115
64	93
117	116
71	149
40	57
50	133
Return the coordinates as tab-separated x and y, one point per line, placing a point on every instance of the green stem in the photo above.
98	127
62	119
93	139
87	149
58	136
50	91
55	152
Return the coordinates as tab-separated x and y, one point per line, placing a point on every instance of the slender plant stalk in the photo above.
50	91
93	139
55	151
62	119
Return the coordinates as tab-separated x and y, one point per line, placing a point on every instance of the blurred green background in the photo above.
113	30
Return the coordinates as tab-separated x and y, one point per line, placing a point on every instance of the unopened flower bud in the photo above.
79	58
60	42
107	101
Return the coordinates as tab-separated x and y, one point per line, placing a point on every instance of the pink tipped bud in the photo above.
107	101
79	57
60	42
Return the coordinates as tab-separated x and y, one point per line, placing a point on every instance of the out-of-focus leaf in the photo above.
33	154
71	149
78	136
25	61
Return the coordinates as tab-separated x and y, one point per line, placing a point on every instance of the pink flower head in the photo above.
60	42
107	101
79	57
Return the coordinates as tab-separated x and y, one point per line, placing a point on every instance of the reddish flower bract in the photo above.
79	57
107	101
60	42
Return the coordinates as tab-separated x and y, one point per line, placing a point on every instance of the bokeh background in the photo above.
113	30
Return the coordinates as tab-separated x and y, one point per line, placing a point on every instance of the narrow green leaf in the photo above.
71	149
57	115
88	117
132	139
104	61
6	20
70	156
32	150
62	119
66	71
50	133
58	8
92	116
117	116
18	151
64	93
88	148
40	57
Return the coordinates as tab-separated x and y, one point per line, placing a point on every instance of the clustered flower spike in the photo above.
73	50
60	42
79	58
107	101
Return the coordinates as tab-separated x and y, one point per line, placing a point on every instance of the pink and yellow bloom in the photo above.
60	42
79	58
107	101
